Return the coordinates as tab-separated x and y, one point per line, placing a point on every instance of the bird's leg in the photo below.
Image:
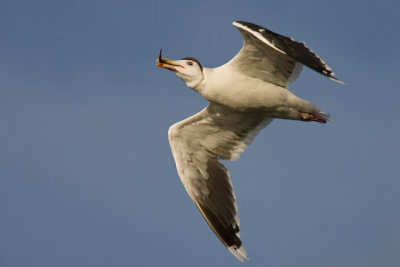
312	117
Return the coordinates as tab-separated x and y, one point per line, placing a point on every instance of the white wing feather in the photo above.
197	144
273	57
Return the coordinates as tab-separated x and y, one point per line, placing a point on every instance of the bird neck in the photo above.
195	83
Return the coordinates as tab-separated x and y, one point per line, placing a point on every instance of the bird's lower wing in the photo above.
198	143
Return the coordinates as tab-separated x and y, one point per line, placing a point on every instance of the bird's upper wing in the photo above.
197	144
274	58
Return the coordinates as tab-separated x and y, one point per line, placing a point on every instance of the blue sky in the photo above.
86	173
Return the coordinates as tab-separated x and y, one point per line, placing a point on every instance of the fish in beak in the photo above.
166	63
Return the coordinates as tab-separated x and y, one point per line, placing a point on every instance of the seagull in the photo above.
244	95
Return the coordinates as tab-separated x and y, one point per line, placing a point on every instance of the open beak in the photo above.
167	63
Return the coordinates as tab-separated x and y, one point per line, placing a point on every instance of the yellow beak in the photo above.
163	62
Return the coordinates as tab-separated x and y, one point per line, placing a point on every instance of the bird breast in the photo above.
240	91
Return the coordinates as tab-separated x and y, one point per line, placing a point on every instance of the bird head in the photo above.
188	69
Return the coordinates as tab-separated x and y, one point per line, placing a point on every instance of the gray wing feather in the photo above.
273	57
198	143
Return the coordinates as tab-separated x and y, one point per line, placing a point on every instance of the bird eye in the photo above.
190	63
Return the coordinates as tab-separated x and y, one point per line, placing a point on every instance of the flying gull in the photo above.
245	95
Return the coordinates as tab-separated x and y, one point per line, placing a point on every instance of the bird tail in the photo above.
325	116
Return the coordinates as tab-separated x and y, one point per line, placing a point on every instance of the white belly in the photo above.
243	92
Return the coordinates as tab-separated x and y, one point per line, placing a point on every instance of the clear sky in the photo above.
86	173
